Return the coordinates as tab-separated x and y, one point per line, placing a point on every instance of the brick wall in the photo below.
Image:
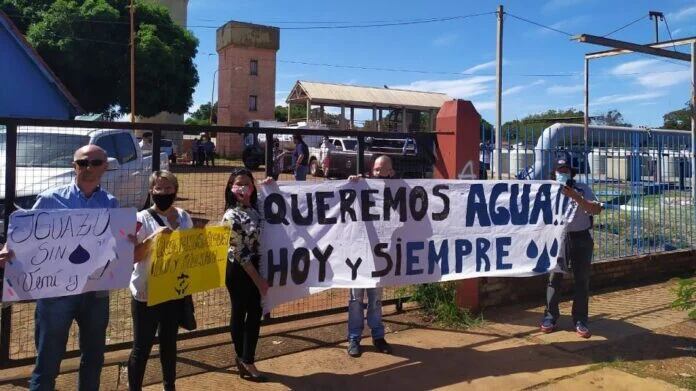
235	87
644	268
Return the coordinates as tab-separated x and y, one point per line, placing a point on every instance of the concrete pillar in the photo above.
403	119
343	118
457	157
374	119
309	110
379	124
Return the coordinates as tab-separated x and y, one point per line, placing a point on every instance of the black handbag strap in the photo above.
156	217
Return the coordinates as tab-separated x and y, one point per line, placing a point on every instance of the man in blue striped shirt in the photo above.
54	316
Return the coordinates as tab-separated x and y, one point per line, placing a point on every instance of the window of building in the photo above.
125	148
253	102
254	67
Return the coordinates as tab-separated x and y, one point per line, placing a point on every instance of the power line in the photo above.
540	25
358	26
361	67
674	47
626	25
354	25
98	21
326	21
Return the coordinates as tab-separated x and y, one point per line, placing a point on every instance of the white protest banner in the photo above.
68	251
397	232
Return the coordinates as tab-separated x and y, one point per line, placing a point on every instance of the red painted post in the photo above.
458	157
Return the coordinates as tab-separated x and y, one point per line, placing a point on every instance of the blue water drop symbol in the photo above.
554	248
532	250
543	263
79	256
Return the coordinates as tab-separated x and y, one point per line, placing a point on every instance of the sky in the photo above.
542	68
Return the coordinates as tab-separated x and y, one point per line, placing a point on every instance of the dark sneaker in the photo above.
382	346
548	326
582	330
354	348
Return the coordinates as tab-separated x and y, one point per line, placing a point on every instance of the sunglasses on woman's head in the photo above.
86	162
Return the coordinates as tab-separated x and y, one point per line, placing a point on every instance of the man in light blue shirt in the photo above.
54	316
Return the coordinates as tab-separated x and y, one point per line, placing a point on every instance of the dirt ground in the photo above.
638	343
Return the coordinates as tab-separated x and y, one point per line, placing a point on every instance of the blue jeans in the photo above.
301	173
53	318
356	313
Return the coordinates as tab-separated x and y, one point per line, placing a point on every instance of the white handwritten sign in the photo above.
377	233
68	251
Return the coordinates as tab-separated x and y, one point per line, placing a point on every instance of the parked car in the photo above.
341	161
45	156
167	147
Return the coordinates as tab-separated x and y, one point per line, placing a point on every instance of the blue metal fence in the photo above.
642	175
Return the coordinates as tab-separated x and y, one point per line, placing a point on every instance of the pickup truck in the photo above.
167	147
341	160
254	153
44	160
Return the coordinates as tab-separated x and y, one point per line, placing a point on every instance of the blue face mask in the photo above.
562	178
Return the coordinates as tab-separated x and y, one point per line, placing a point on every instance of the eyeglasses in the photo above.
86	162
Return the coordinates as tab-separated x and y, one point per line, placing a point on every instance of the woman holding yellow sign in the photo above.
244	283
162	318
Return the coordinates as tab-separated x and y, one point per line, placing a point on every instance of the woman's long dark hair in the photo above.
230	198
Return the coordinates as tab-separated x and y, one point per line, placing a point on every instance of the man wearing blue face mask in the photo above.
578	251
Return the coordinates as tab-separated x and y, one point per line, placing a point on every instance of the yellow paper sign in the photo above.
186	262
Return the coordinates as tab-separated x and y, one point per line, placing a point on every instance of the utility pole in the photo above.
586	116
657	16
499	95
212	96
693	122
132	61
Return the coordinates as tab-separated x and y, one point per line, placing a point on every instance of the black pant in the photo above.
161	318
483	174
210	157
245	322
578	247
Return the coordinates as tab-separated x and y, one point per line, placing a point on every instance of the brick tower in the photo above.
246	78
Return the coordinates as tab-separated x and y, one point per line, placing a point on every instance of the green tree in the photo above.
85	42
298	112
487	131
678	119
202	115
611	118
530	127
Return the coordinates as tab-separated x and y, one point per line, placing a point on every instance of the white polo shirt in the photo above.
147	226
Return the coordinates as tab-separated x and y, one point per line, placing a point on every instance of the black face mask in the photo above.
163	201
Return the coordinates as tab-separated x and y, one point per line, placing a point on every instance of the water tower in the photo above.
246	78
178	10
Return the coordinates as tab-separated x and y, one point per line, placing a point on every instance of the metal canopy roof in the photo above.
365	97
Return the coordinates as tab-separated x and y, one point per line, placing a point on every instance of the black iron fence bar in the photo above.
360	166
10	187
269	154
199	128
156	143
397	302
